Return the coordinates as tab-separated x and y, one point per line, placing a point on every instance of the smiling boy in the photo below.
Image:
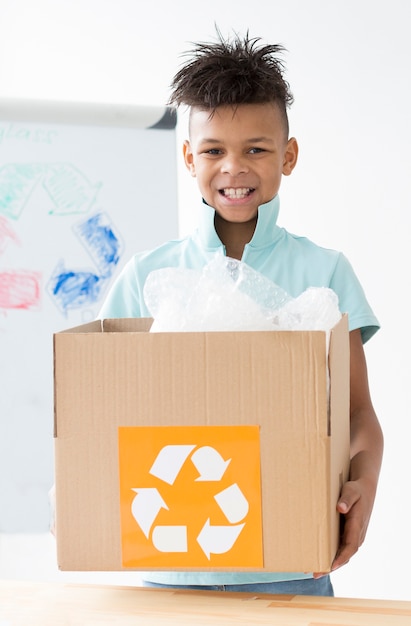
238	150
238	156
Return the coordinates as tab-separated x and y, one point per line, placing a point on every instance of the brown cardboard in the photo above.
115	373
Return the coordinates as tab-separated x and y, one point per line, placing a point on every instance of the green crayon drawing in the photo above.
17	183
70	191
68	188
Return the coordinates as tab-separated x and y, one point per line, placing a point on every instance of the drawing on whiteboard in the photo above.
19	289
17	183
103	243
69	189
71	193
7	234
17	133
73	289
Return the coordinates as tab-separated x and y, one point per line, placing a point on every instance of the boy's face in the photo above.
238	156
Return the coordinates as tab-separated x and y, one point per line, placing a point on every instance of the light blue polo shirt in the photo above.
292	262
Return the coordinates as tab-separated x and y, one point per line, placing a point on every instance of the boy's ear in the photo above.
290	156
188	157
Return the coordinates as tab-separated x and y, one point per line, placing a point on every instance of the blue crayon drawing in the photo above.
73	289
103	244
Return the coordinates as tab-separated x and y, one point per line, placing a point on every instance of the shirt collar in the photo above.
265	232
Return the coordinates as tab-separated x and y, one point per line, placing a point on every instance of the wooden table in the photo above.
57	604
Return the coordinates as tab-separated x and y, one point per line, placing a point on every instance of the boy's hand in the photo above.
356	506
366	447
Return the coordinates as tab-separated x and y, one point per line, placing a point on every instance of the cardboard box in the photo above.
120	388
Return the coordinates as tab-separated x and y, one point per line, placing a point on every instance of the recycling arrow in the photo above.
218	539
233	503
209	463
146	506
169	462
170	538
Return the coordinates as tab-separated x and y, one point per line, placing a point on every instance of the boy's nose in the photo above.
234	165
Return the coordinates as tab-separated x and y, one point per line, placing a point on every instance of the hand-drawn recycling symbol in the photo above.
148	502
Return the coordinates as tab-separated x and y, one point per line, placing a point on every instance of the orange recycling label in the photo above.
190	496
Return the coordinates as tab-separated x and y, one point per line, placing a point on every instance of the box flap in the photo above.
339	359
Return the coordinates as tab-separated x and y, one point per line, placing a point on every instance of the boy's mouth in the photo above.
236	193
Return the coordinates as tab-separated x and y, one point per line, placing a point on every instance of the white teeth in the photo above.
239	192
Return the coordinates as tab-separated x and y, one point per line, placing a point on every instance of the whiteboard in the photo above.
82	188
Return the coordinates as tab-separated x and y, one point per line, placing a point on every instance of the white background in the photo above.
348	63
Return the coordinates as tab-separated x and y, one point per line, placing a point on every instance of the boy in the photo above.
238	150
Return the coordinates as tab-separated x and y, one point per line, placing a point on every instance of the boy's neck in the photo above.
234	235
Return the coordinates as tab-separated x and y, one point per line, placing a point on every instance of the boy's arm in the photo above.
366	448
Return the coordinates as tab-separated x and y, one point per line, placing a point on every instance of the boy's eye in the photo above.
256	150
213	151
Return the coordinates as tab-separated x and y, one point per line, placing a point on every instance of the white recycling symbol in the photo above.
211	466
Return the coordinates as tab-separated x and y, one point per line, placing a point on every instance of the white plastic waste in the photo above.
228	295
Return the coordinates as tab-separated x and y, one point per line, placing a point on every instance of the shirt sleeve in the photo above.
352	299
123	298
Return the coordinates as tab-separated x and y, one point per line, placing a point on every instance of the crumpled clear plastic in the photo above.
228	295
315	309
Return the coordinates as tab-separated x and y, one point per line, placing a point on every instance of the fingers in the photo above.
349	496
352	506
356	516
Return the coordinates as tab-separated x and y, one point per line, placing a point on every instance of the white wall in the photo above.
348	65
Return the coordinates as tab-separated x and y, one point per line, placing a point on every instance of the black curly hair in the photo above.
230	73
